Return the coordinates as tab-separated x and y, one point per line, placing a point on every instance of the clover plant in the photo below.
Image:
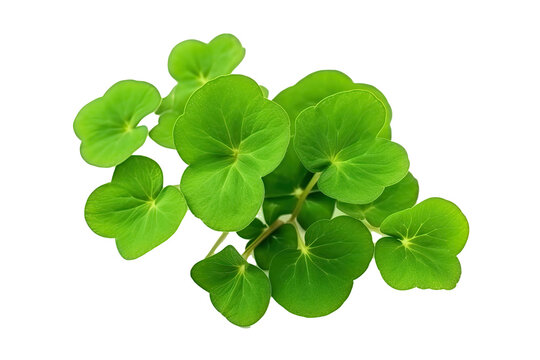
305	179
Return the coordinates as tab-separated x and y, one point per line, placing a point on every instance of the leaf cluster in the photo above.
306	178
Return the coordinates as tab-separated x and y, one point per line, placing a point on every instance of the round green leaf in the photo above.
193	63
230	136
316	279
338	137
285	237
135	209
254	229
321	84
422	247
107	126
238	290
400	196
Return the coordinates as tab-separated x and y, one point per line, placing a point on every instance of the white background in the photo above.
463	81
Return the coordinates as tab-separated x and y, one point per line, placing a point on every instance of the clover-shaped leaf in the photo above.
400	196
238	290
193	63
285	237
318	85
339	139
316	279
423	244
135	209
107	126
230	136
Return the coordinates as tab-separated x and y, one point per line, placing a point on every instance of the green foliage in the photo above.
134	207
321	142
107	126
238	290
422	247
231	136
193	63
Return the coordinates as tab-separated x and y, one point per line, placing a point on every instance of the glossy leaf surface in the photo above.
135	209
422	247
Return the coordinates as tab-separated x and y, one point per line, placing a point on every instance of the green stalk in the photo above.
216	245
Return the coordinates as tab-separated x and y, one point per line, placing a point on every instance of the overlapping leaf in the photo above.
238	290
285	237
400	196
423	244
339	139
135	209
107	126
230	136
193	63
316	279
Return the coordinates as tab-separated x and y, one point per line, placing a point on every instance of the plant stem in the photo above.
372	228
277	224
218	242
303	196
273	227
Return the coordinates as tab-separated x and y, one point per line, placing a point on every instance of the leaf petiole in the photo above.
273	227
303	197
221	238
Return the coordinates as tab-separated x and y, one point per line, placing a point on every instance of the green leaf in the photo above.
193	63
135	209
316	279
254	229
321	84
238	290
230	136
400	196
423	244
339	139
285	237
107	126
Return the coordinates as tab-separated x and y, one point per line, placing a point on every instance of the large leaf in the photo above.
422	247
193	63
400	196
107	126
135	209
318	85
230	136
316	279
238	290
338	137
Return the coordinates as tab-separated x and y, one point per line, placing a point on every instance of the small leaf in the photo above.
230	136
238	290
107	126
135	209
285	237
254	229
339	139
318	85
317	206
400	196
422	247
316	279
193	63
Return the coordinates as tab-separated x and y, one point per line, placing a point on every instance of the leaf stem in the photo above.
372	228
218	242
269	230
303	196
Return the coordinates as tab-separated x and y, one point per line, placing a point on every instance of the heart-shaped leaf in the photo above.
230	136
400	196
316	279
238	290
318	85
135	209
422	249
193	63
107	126
339	139
285	237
